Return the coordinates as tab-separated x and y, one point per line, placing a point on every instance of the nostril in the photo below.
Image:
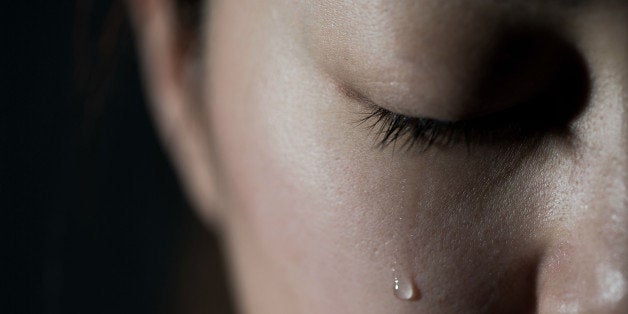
537	74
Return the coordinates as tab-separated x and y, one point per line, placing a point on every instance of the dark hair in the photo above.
101	31
189	256
190	14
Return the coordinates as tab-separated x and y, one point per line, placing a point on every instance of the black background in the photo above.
92	214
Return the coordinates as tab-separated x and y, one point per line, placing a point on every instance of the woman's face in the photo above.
523	210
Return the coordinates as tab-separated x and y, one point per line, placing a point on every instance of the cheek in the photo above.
312	199
329	216
334	216
305	187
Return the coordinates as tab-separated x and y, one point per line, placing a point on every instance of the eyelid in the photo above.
506	127
550	111
416	132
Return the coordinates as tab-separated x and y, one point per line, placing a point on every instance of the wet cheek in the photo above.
330	217
309	191
328	210
341	221
320	211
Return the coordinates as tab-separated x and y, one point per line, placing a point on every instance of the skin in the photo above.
255	113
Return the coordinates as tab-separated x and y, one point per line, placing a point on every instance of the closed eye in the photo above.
400	131
548	111
532	93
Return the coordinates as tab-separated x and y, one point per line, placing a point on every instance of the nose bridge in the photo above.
585	263
584	268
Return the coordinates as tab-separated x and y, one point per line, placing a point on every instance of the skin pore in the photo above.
261	117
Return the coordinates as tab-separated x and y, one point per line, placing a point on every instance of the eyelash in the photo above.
409	132
402	131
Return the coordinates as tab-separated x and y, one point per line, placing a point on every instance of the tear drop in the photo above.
405	289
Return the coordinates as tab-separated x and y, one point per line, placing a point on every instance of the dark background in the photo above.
92	214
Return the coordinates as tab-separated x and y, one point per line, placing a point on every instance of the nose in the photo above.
584	265
583	276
